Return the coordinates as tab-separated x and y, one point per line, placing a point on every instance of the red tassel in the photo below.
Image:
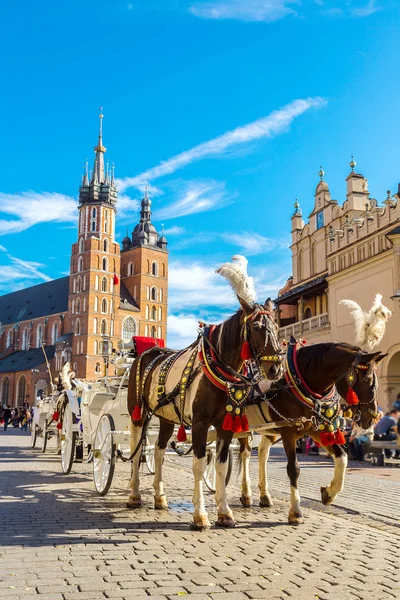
55	416
351	397
181	435
228	422
237	424
339	438
245	422
59	425
115	279
246	351
137	413
327	438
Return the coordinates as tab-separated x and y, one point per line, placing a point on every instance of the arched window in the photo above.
21	391
77	327
80	263
78	306
153	332
54	332
154	293
81	245
96	347
5	390
25	339
160	292
129	329
105	245
93	228
104	284
96	283
97	368
8	338
154	268
72	306
95	325
106	223
103	327
130	269
308	313
104	306
147	311
78	285
154	313
39	336
104	264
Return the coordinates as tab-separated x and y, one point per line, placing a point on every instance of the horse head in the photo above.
365	386
260	336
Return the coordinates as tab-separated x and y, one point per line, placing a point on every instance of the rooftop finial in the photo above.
297	209
162	229
112	173
85	177
352	163
146	191
321	173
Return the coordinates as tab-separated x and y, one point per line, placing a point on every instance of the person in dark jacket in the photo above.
7	417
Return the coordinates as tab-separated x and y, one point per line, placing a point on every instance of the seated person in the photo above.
359	437
386	429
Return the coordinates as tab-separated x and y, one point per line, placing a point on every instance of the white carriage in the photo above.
43	425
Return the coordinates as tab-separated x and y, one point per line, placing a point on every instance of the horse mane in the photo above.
317	351
229	331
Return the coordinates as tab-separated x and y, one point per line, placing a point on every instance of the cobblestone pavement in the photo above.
60	541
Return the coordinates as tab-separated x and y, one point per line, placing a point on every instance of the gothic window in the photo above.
77	327
80	263
160	295
154	293
153	332
8	339
308	313
25	339
154	268
129	329
104	284
95	325
81	245
104	264
39	336
96	283
78	306
130	269
147	311
5	391
97	368
103	327
104	306
93	228
73	306
78	285
106	223
21	392
54	332
154	314
105	245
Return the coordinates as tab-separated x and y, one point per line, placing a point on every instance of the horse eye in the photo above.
257	326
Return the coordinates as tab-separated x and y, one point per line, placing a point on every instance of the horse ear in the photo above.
248	308
269	305
380	357
366	359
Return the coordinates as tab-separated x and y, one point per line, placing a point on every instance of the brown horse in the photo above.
179	388
320	366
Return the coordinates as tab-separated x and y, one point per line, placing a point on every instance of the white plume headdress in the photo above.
370	325
236	273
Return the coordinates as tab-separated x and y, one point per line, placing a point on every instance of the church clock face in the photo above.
320	219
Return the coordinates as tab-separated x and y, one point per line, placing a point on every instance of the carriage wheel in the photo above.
44	438
148	451
104	455
33	435
210	474
68	440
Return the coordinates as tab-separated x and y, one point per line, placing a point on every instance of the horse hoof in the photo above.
134	503
325	497
295	519
225	521
200	523
161	503
266	502
246	501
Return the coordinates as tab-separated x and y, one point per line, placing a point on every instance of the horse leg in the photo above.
263	455
225	516
165	433
293	471
134	500
199	437
329	493
244	457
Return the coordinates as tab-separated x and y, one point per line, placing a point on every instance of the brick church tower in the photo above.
94	289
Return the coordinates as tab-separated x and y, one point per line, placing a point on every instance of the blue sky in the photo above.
226	107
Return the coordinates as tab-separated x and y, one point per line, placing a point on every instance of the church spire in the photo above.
98	170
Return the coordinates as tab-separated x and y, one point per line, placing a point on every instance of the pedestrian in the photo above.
359	437
386	429
24	419
7	416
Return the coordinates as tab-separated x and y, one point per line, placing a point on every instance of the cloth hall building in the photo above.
110	291
349	250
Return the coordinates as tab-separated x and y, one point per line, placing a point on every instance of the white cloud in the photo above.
275	123
182	330
32	208
196	196
253	243
127	207
365	11
175	230
19	273
244	10
3	249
